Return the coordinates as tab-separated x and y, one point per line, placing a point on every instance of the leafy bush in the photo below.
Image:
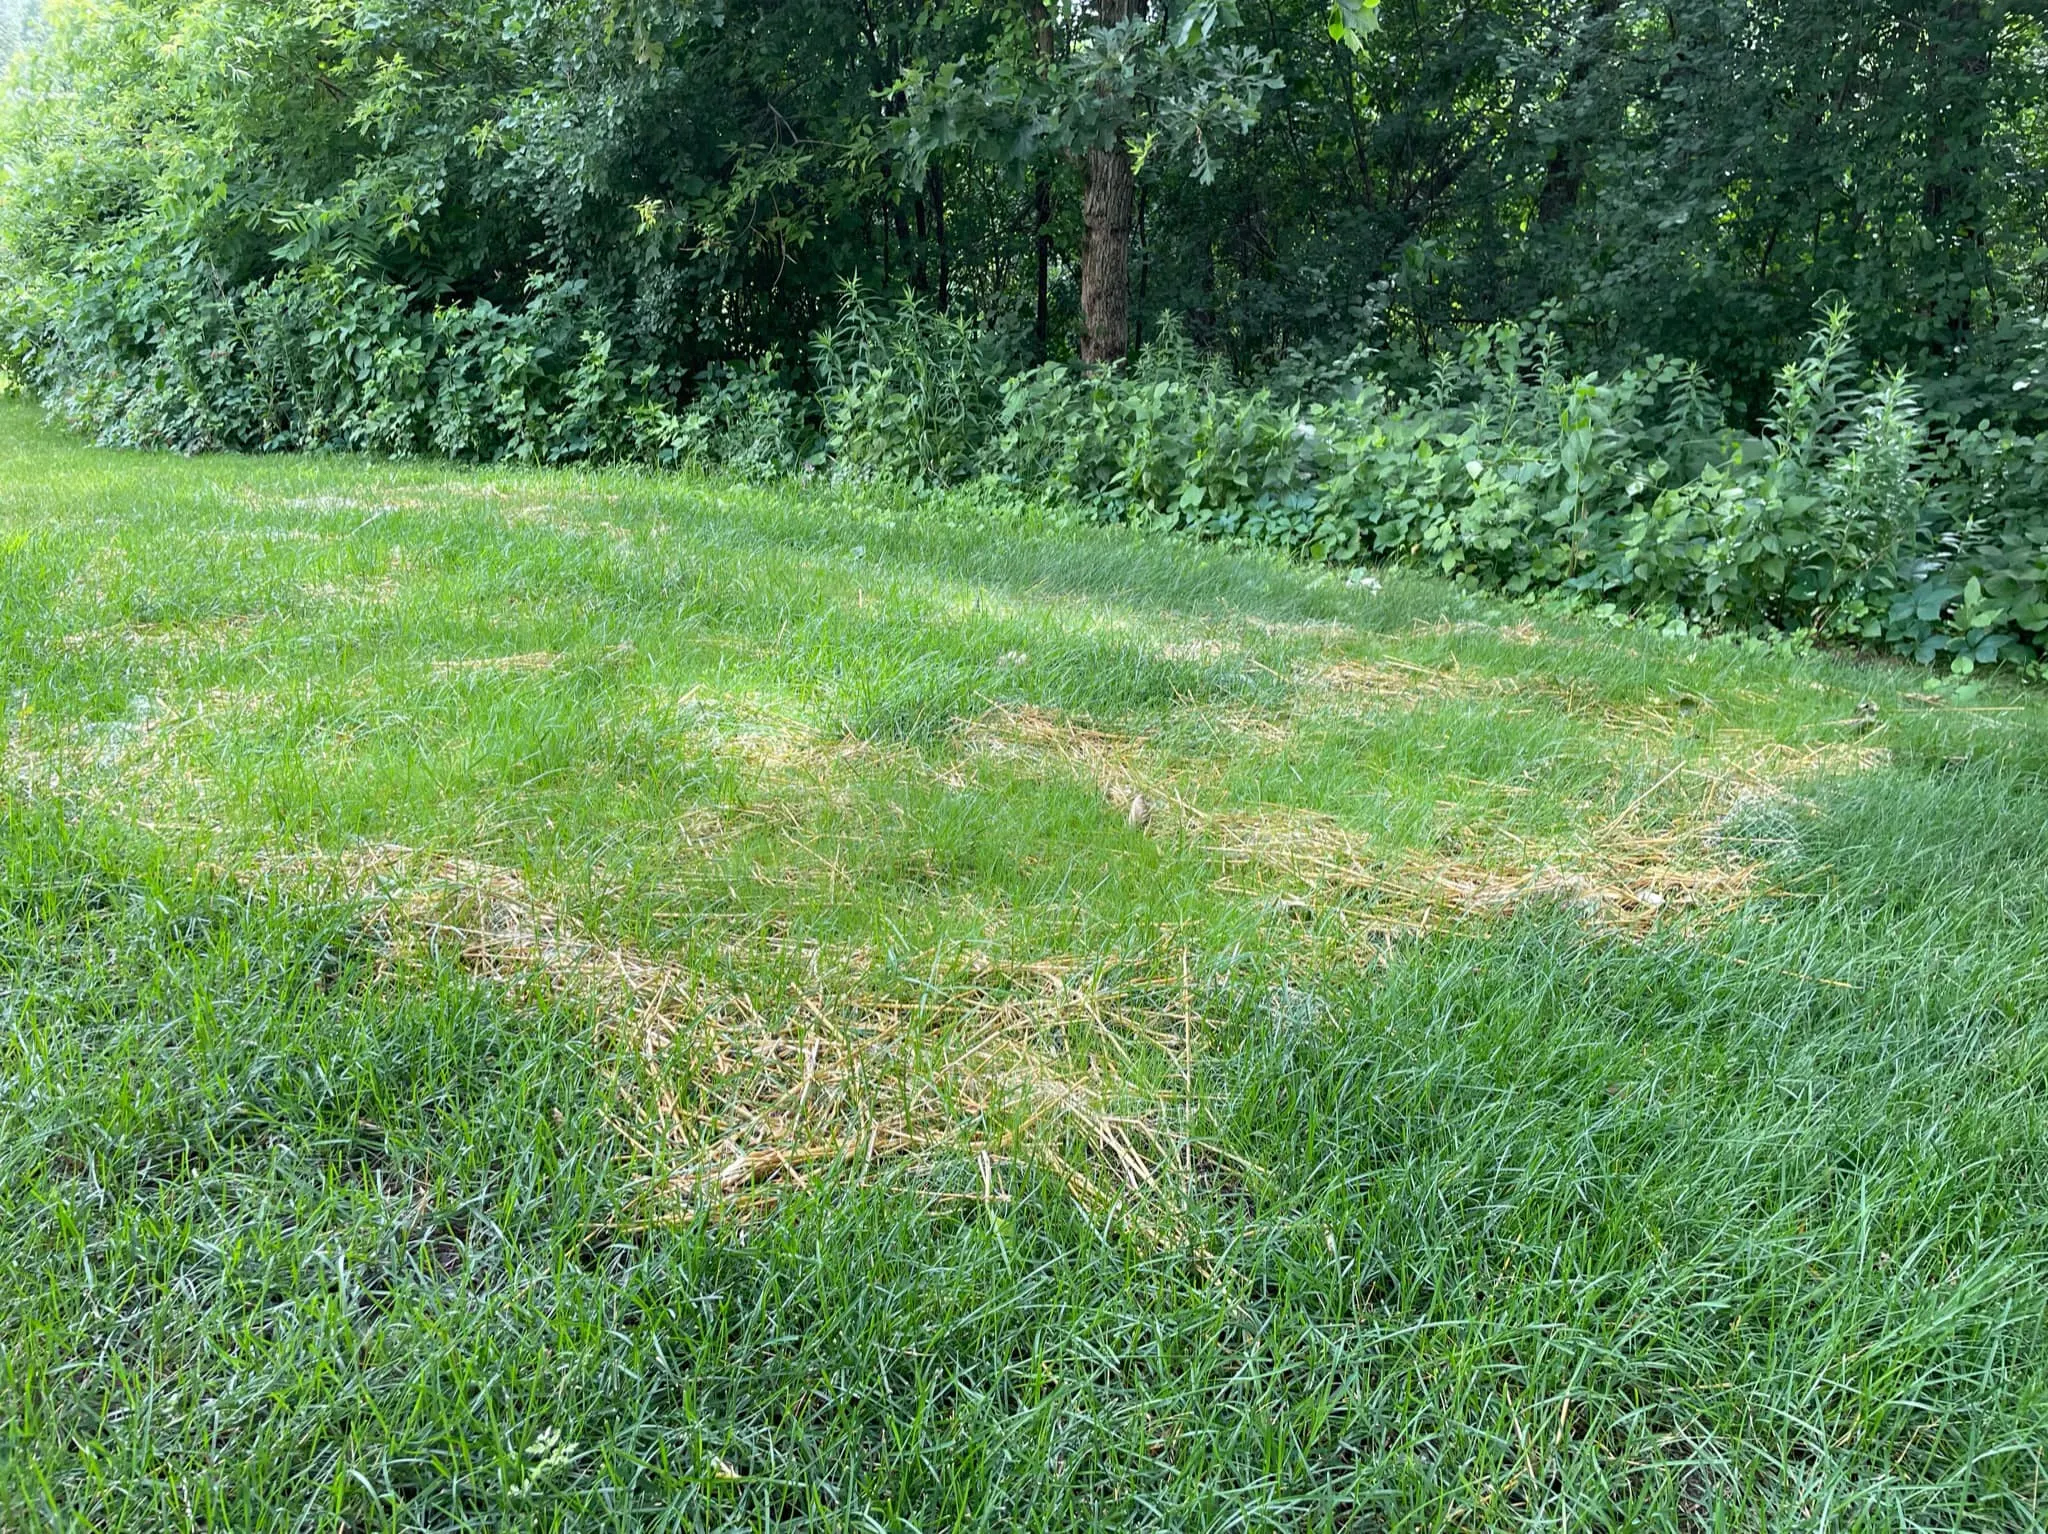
745	419
1848	517
337	361
905	391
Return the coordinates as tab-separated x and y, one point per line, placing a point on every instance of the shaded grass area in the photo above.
578	1001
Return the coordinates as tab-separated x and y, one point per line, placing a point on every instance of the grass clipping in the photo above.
730	1098
1662	855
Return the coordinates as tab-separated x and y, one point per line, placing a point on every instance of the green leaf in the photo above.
1351	20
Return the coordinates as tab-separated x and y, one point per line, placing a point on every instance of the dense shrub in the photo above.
335	361
907	392
1847	517
328	360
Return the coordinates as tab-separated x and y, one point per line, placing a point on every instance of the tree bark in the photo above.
1107	211
935	192
1564	177
1046	41
1042	200
1961	38
920	274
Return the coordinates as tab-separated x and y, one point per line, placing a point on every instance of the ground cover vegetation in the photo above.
576	998
1716	312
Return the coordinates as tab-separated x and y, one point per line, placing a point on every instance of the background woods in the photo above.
696	181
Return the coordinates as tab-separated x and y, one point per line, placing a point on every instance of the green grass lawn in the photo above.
569	1000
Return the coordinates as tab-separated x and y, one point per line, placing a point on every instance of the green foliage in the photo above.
577	232
1145	83
1845	519
745	419
906	391
223	223
17	26
339	360
1678	178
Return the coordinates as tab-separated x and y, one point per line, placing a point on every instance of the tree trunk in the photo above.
1143	249
935	191
1961	38
1108	208
920	274
1046	40
1564	177
1042	198
1107	211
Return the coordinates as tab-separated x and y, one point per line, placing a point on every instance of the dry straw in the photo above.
728	1097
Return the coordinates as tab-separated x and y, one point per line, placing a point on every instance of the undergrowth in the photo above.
1849	515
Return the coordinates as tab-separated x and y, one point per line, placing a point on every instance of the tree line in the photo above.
1686	177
